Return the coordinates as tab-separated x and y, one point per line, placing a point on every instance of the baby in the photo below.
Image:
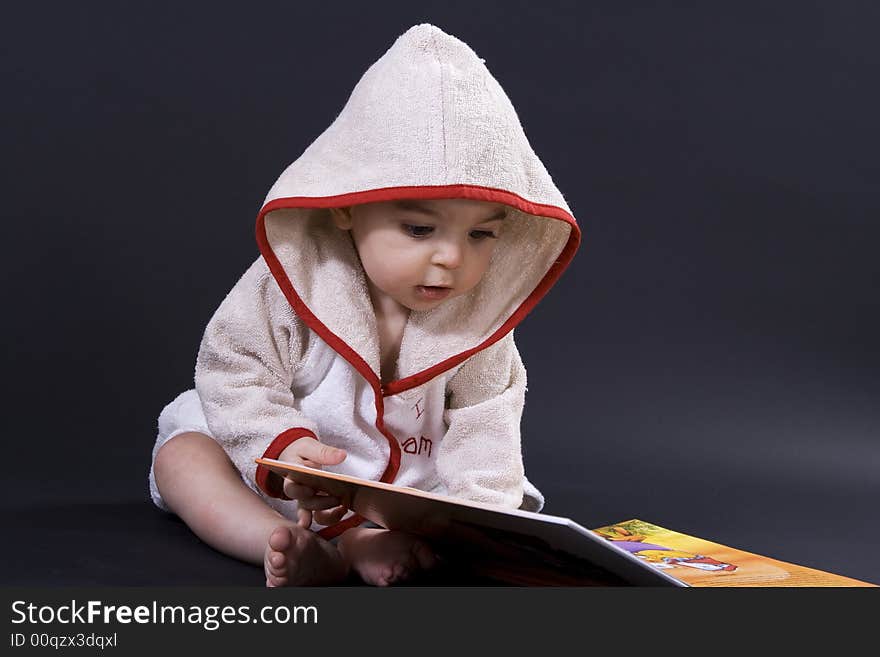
374	336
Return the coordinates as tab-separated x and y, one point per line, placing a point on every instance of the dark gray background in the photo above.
709	361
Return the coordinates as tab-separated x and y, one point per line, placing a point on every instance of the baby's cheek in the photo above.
474	276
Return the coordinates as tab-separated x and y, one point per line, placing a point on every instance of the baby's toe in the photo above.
277	560
401	572
387	575
277	567
279	539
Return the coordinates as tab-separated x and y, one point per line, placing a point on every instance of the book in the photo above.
524	548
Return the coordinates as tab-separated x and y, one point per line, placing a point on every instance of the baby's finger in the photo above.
304	518
318	502
330	516
297	491
318	454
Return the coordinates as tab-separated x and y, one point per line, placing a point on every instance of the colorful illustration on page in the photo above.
699	562
632	536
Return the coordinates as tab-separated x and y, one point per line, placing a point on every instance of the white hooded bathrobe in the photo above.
293	350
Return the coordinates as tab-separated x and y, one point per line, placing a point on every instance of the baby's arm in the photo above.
480	457
250	350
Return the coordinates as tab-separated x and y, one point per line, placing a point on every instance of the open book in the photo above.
525	548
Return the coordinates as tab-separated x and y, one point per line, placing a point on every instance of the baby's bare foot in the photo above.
298	557
383	557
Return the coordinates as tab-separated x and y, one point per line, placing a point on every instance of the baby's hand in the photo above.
310	452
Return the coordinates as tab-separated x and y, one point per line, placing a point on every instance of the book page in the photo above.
699	562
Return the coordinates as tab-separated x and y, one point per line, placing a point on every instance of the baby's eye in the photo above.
418	231
483	234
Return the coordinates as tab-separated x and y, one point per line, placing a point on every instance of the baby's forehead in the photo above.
453	207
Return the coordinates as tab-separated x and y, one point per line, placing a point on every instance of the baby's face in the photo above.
423	252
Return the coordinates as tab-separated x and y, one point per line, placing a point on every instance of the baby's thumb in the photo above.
332	455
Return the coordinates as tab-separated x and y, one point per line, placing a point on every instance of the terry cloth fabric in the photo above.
293	350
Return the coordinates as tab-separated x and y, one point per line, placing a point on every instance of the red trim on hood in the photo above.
475	192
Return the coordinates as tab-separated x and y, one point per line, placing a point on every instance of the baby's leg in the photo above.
382	557
198	482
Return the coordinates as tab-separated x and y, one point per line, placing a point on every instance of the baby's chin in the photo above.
423	306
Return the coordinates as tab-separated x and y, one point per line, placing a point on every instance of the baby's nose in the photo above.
448	255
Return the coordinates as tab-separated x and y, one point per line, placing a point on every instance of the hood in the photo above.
426	121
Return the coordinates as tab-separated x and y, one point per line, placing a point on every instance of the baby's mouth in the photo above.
433	292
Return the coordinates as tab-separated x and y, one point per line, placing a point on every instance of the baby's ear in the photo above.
341	217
